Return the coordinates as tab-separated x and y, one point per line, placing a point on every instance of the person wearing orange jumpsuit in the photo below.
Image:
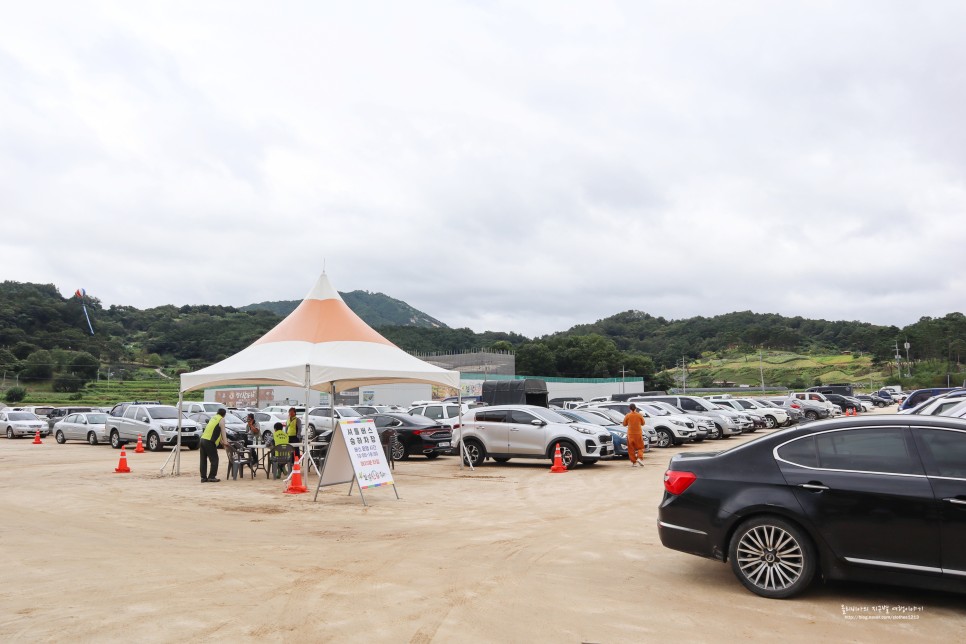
634	422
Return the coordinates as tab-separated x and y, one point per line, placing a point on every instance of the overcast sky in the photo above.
517	166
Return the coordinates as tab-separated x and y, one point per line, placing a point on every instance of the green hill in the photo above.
377	309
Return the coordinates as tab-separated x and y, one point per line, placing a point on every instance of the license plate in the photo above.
446	444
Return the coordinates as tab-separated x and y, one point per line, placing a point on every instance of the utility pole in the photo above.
623	374
908	366
761	371
684	373
898	360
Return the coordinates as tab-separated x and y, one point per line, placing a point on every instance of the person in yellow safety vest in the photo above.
280	435
211	440
281	438
294	429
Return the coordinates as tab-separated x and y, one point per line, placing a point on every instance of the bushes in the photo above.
15	394
68	383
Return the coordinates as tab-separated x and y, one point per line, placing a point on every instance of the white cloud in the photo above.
499	166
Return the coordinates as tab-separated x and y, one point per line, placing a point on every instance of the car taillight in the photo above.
677	482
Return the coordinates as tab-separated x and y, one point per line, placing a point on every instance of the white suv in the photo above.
502	432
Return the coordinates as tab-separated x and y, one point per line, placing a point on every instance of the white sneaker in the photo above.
634	464
641	461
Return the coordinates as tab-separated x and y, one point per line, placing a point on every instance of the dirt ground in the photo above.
508	553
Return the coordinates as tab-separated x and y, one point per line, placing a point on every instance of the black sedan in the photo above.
415	435
875	499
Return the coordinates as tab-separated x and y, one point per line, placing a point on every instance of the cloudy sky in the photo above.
507	166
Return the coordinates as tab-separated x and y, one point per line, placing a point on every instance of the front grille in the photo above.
605	438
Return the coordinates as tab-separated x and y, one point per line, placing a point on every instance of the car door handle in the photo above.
956	501
814	486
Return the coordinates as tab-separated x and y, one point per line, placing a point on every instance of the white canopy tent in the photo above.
322	345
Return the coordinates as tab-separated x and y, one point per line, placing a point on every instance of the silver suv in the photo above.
503	432
726	423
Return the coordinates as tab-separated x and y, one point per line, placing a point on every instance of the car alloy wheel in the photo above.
772	557
59	437
664	438
473	453
716	432
154	442
92	438
398	450
811	415
771	422
115	440
568	454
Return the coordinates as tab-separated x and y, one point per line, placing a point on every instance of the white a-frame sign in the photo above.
355	456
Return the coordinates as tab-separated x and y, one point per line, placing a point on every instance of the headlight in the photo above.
678	422
168	428
583	430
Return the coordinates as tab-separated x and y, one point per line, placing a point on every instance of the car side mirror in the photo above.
538	423
144	419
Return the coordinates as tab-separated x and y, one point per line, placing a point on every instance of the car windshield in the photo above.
655	411
96	419
706	406
348	412
549	415
22	415
615	416
584	417
165	412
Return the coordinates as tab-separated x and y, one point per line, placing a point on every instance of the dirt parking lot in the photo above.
508	553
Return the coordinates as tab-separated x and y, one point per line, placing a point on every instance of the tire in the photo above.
717	433
154	442
501	459
811	414
474	454
398	450
772	557
664	438
569	455
880	404
115	439
91	438
432	455
59	437
771	422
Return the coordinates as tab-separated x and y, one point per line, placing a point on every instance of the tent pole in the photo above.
459	406
305	425
176	454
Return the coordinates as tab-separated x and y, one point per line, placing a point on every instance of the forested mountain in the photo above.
377	309
35	317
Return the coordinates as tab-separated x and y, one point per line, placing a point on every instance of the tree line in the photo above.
35	318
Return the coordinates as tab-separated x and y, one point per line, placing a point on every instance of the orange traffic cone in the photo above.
295	486
140	448
122	467
37	440
558	466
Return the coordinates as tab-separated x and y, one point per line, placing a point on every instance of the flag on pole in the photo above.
81	293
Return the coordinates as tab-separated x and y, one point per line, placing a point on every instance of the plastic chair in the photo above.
281	460
238	459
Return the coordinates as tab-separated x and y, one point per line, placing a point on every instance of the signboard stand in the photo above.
355	456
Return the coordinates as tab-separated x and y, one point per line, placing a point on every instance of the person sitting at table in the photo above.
254	431
280	437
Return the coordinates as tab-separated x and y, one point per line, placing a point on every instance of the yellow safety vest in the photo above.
281	438
293	427
210	429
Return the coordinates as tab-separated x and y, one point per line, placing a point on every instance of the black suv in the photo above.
842	401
